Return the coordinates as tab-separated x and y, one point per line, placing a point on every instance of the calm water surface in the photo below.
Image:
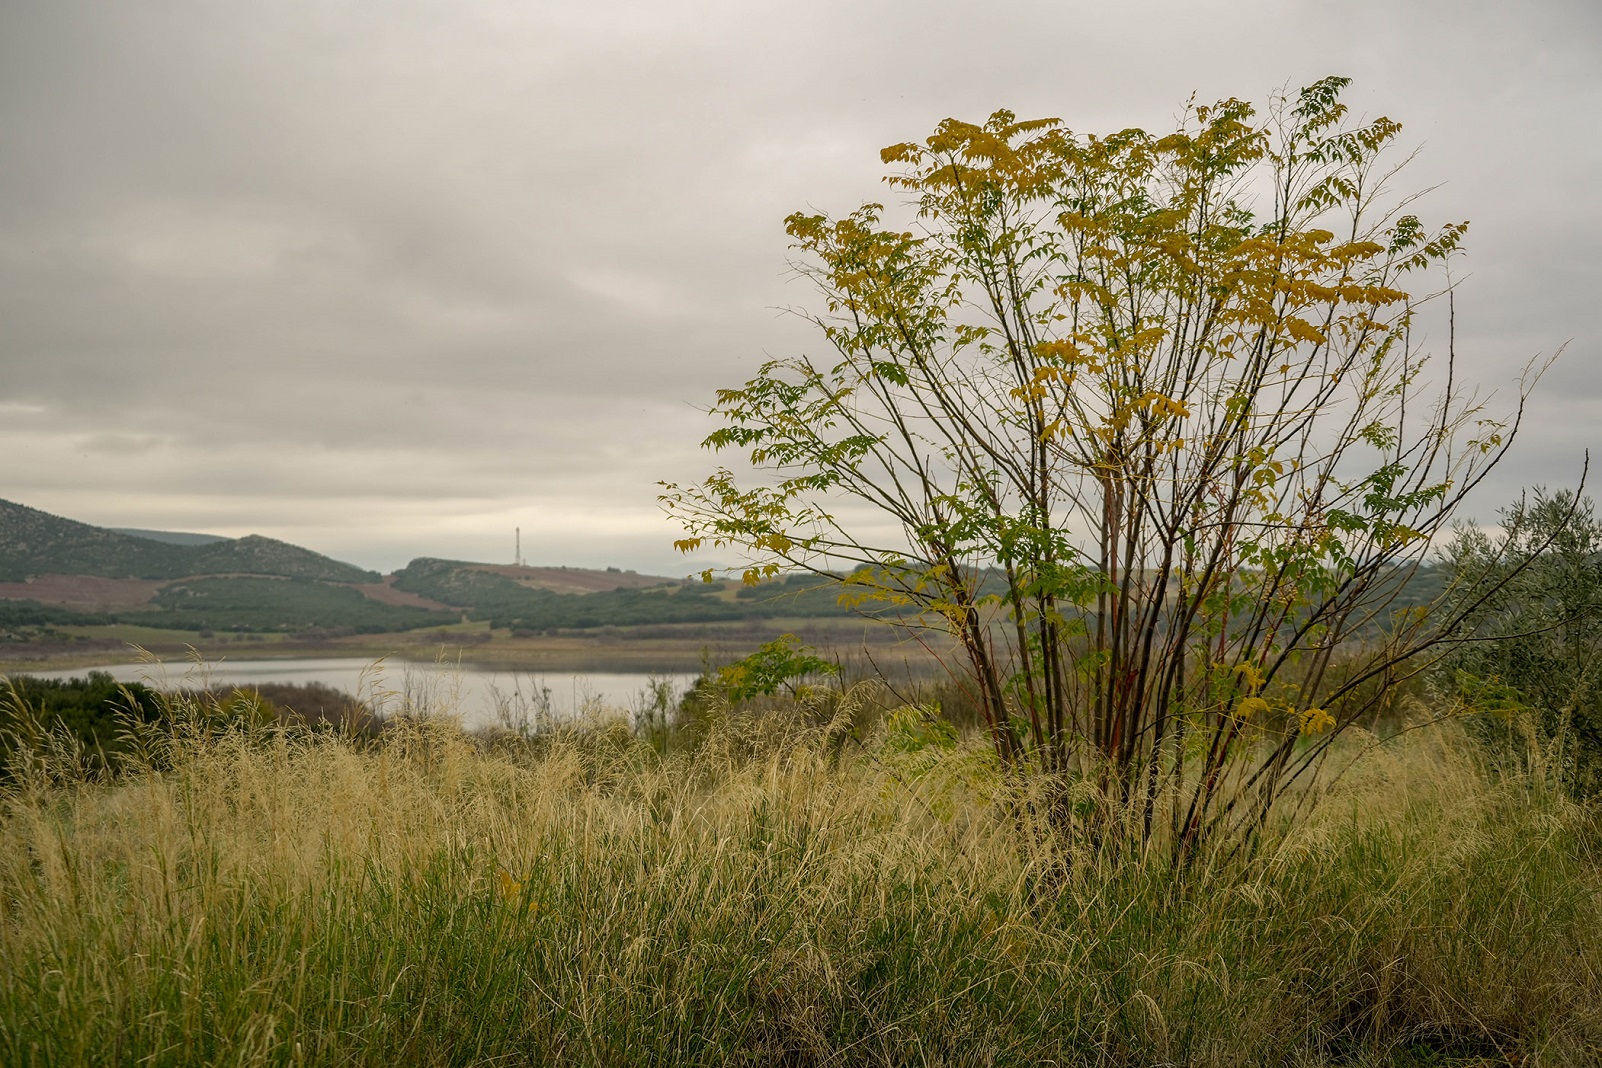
479	695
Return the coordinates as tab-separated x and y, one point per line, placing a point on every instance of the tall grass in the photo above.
268	896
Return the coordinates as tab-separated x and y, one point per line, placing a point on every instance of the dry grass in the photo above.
773	897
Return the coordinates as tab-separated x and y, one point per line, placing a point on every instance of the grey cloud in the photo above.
396	275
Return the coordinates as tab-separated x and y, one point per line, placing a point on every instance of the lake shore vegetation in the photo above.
807	884
1156	469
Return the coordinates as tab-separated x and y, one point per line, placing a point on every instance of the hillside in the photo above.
489	592
253	603
57	572
72	592
575	579
36	543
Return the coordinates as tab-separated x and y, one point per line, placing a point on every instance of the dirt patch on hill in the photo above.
386	593
84	593
574	579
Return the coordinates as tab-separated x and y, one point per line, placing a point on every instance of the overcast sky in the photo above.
388	279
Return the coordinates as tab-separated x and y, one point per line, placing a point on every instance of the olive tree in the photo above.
1536	659
1147	422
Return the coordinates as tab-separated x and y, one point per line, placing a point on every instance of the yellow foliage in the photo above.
1250	677
1251	706
511	891
1097	366
1302	330
1160	405
775	541
1314	721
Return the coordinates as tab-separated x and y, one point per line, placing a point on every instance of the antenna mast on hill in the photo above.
518	559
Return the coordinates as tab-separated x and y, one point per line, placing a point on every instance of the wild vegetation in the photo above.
90	714
800	887
261	604
100	720
1166	386
1219	787
1538	660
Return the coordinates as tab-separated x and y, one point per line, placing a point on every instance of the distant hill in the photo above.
38	543
255	603
172	537
57	572
493	593
575	579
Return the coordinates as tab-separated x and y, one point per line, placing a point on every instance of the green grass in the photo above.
771	897
251	603
133	634
472	626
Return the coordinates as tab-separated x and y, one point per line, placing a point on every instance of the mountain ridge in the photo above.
35	542
57	572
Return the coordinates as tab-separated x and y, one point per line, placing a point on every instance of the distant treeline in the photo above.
34	614
278	604
306	606
244	604
301	605
97	711
505	603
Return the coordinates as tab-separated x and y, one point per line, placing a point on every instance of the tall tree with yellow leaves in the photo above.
1152	437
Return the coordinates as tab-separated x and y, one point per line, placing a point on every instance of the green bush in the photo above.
92	712
1538	670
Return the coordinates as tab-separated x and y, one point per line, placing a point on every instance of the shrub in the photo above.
1137	420
1537	664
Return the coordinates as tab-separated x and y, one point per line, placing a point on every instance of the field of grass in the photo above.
135	634
87	645
839	894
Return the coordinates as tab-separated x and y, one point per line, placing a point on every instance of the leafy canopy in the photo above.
1137	419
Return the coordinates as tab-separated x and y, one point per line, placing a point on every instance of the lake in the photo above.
479	695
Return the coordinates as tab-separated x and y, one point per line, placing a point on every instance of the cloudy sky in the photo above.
389	279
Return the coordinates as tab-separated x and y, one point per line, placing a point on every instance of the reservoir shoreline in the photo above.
388	687
674	649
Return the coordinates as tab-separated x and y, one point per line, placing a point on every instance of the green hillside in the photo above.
282	604
38	543
506	603
239	603
256	555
